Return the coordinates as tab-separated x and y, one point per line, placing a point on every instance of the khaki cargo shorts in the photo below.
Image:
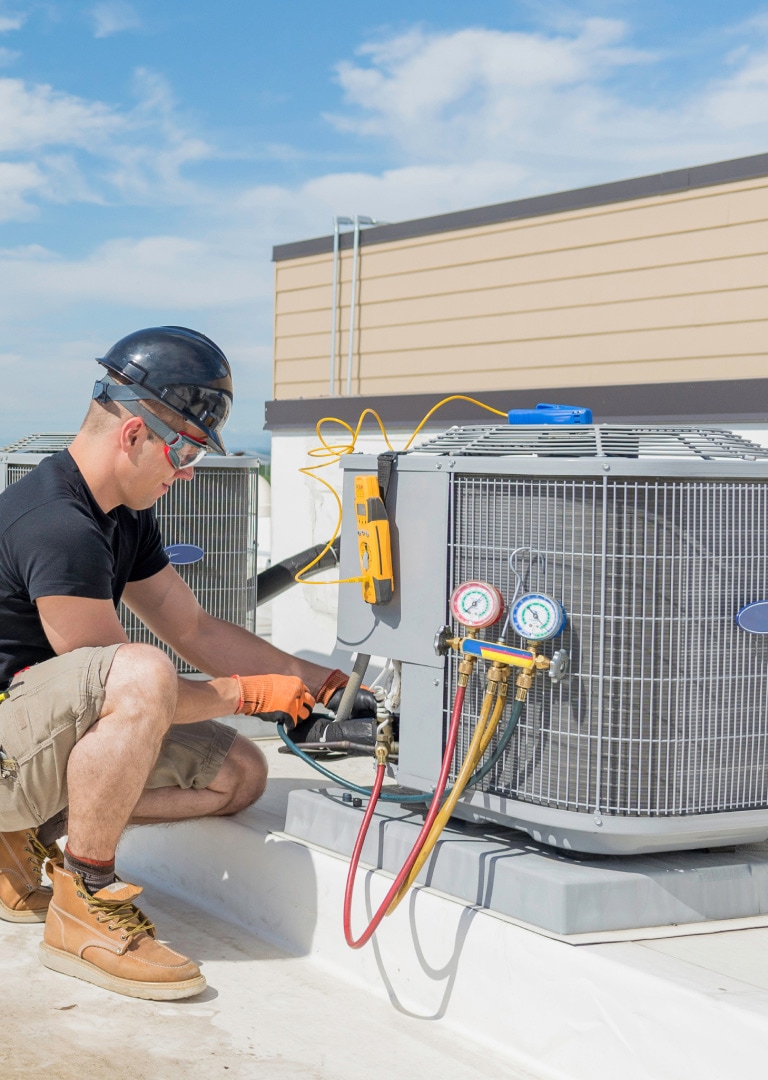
50	706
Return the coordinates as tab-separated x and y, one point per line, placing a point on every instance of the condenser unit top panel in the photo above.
597	440
23	450
608	450
42	443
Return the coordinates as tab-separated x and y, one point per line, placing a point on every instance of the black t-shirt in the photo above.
56	541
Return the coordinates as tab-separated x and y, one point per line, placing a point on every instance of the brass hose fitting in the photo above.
466	667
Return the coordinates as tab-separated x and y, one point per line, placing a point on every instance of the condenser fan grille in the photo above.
599	440
664	712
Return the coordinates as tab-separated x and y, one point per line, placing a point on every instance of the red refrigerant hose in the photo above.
434	809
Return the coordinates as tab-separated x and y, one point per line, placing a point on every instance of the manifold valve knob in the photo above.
558	666
442	637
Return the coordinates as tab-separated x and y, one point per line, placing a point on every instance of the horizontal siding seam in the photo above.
541	253
656	328
637	204
587	304
526	283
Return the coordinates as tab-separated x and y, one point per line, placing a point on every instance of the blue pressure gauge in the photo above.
537	617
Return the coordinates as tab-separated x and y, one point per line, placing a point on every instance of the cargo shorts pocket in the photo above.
49	708
15	810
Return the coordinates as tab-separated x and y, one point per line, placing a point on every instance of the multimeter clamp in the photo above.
373	541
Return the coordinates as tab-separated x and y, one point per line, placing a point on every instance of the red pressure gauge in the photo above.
476	604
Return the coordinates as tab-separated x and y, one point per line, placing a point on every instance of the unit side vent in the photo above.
664	712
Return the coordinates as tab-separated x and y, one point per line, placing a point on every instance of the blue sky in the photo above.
151	154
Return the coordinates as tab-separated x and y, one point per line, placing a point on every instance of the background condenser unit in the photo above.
653	540
217	511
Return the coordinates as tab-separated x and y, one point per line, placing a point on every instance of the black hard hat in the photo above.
180	368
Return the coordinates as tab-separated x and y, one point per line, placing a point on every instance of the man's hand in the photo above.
332	691
276	698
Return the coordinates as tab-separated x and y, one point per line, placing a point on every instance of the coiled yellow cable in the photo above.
335	451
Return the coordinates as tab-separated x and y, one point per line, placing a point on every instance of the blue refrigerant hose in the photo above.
426	796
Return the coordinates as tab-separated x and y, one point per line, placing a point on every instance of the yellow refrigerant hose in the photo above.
481	739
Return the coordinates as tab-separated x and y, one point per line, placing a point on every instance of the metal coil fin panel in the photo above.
217	512
664	710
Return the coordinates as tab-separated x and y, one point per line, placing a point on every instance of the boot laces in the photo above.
120	915
38	853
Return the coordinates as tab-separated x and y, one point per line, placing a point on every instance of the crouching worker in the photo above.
97	733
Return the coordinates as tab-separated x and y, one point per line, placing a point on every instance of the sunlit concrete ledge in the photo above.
662	1007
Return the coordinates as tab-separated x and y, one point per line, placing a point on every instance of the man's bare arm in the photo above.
72	622
166	604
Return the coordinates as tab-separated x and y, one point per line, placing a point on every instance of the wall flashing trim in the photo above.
728	401
642	187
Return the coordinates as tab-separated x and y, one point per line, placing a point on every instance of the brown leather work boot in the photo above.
23	897
105	939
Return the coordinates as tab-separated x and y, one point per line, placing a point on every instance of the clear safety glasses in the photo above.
182	450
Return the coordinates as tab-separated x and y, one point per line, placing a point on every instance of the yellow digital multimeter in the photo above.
373	541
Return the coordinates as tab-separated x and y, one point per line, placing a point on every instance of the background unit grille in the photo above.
664	712
217	511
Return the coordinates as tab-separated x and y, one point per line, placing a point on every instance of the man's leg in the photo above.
238	781
47	709
103	937
108	768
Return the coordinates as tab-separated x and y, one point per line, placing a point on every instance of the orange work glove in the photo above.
332	690
282	698
337	680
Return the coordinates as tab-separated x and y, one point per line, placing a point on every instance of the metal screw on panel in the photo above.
346	796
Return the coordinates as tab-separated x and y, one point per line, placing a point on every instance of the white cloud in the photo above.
151	165
415	190
11	22
552	104
453	95
39	116
136	155
155	273
18	183
114	17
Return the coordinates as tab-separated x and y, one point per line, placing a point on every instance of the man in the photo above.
97	733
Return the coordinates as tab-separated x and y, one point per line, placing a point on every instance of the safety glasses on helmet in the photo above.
182	450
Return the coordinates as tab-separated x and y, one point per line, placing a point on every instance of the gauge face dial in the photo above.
537	617
476	604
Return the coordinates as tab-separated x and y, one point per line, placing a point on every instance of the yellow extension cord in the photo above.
334	452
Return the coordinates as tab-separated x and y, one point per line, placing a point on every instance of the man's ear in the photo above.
132	433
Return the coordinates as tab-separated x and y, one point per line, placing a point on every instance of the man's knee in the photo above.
243	775
142	681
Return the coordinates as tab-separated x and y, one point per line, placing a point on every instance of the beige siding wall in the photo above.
663	289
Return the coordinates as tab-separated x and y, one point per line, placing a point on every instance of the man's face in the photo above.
162	463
